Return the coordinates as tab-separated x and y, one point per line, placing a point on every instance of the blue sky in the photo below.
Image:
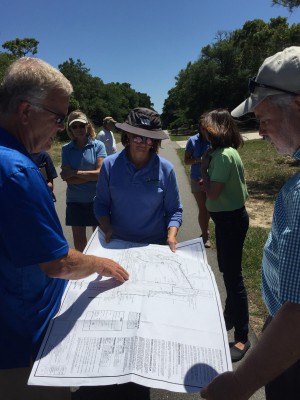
144	43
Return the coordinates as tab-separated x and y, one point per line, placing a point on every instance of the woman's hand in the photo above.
67	172
201	184
104	223
171	240
206	160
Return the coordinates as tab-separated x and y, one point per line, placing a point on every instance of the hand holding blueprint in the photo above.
163	328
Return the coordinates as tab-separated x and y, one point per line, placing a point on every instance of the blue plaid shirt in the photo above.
281	258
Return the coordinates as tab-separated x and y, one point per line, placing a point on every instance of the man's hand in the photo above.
113	269
75	265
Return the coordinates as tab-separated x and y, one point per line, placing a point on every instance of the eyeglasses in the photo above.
77	126
61	118
252	84
142	139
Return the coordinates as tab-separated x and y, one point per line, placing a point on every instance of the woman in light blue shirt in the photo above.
137	195
81	162
195	148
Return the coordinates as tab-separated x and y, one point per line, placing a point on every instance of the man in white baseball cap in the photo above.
275	360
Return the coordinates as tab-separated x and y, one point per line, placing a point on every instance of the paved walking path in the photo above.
188	230
246	136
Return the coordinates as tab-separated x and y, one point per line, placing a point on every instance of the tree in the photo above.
88	90
5	60
290	4
97	99
219	77
21	47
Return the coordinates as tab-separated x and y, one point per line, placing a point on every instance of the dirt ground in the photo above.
260	212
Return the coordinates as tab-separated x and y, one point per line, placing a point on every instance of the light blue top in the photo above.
197	147
281	257
107	137
142	203
83	160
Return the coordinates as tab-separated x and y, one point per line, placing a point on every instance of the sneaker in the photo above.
207	244
206	241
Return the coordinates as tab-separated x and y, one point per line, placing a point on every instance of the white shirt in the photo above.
107	137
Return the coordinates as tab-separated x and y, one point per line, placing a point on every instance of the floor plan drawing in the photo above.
162	328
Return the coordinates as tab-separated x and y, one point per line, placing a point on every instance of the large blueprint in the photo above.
163	328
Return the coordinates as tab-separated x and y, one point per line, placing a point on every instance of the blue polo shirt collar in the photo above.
88	144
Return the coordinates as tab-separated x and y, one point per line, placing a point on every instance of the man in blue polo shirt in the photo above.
34	99
275	360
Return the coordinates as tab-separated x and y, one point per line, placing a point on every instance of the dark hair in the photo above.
221	129
200	129
154	148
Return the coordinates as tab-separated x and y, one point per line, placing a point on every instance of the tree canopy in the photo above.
290	4
21	47
219	78
98	99
91	94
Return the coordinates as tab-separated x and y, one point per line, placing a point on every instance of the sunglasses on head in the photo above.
78	126
142	139
252	84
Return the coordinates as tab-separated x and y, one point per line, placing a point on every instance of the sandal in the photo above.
236	353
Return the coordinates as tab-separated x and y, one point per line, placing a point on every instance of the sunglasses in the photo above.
252	84
142	139
77	126
61	118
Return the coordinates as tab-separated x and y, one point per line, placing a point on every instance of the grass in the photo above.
55	152
176	138
265	173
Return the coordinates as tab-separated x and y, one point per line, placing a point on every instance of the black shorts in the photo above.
80	214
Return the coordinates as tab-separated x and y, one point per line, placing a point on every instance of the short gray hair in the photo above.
30	79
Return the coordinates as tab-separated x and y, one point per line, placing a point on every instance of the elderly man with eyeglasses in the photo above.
275	361
35	259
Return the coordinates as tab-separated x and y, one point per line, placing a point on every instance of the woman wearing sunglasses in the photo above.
81	162
137	196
